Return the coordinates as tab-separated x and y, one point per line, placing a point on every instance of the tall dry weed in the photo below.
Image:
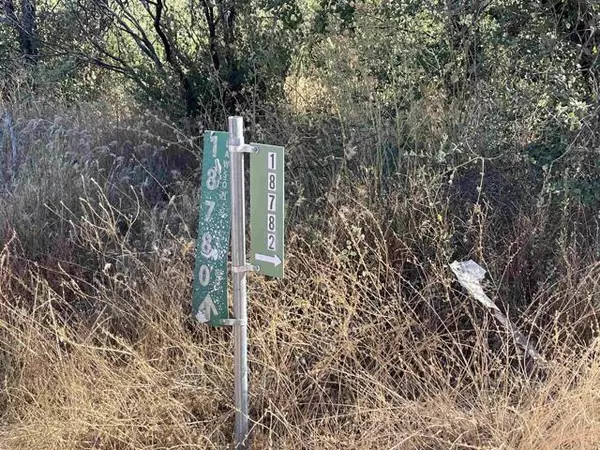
368	342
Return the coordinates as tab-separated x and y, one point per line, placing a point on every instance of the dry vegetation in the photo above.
368	343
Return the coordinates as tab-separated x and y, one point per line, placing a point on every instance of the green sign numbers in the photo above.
209	303
267	209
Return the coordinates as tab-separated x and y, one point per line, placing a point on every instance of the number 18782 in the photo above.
271	201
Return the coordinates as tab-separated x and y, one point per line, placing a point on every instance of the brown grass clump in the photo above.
339	356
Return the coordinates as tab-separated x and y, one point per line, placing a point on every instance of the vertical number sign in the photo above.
210	274
267	209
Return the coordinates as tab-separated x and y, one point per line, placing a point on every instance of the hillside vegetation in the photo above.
416	134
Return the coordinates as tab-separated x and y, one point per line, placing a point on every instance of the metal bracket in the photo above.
233	322
244	268
236	148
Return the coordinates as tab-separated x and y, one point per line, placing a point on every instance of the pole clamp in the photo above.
244	268
234	322
237	148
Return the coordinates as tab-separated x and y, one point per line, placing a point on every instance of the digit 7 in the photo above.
271	201
211	207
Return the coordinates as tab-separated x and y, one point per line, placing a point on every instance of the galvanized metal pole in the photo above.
238	260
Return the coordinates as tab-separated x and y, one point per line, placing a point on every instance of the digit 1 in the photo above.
213	141
271	162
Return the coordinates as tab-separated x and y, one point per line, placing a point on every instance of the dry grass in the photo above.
339	357
367	344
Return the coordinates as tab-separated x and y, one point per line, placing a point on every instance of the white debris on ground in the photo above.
470	275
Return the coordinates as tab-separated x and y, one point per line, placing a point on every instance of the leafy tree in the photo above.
187	55
24	25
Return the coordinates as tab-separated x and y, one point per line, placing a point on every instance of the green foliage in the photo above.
416	132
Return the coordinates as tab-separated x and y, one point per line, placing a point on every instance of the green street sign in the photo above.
267	209
210	273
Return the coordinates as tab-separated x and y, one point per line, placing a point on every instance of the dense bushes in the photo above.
415	135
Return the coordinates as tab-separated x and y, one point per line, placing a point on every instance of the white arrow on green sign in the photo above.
209	303
267	205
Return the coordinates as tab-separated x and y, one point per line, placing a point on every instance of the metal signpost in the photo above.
224	151
239	269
